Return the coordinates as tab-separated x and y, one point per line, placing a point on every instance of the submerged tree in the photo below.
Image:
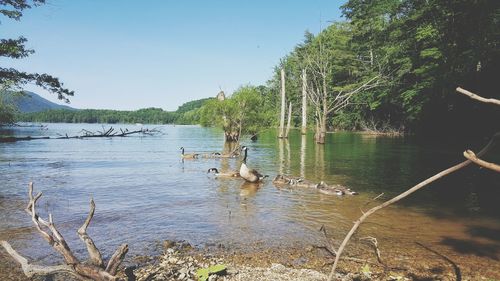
12	79
335	75
238	115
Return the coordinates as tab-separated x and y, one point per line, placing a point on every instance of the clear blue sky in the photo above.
122	54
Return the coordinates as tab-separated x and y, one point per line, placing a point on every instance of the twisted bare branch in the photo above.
94	254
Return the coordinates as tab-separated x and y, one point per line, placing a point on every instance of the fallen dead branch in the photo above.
105	133
93	269
469	154
477	97
408	192
374	242
331	249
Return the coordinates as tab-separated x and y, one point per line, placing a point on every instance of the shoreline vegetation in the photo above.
391	66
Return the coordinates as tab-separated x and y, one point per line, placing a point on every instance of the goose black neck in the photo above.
182	150
245	157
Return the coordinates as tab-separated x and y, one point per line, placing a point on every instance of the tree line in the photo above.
390	66
406	58
185	114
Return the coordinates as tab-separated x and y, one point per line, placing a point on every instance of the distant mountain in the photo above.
31	102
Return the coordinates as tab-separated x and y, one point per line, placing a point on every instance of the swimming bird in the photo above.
249	175
211	155
229	174
188	156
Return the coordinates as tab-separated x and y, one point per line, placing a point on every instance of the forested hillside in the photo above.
185	114
391	65
30	102
419	50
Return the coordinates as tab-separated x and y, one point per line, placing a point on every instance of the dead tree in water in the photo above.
289	120
93	269
105	133
283	105
304	102
471	158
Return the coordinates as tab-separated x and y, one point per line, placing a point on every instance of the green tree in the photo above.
238	115
12	79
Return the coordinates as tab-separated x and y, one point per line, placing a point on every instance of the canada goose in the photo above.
229	174
249	175
188	156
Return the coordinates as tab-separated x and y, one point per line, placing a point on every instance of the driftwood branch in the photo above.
94	270
109	133
469	154
94	254
117	259
374	242
477	97
402	196
32	270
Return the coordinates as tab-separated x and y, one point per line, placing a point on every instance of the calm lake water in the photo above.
145	194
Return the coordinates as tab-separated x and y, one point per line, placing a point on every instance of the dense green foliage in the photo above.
187	113
7	111
400	59
243	113
13	79
422	50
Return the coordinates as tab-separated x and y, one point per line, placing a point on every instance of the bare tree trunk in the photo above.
289	120
323	116
303	156
282	120
321	130
304	102
232	136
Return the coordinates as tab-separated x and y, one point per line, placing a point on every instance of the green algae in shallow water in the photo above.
203	273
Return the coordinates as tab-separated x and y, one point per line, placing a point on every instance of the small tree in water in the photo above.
240	114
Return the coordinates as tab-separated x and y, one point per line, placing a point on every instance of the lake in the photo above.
145	193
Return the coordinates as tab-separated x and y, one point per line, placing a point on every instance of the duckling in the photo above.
188	156
249	175
229	174
322	187
211	155
336	189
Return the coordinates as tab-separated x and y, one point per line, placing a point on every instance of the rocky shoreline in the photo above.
178	260
181	262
